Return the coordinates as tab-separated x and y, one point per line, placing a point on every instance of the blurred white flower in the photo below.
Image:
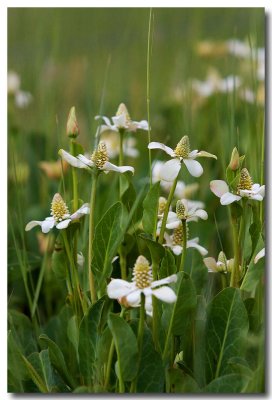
112	141
214	84
260	255
80	259
121	121
245	188
221	265
14	82
129	293
182	153
60	216
22	99
98	160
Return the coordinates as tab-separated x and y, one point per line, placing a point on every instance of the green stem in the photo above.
108	368
234	279
74	177
184	245
241	238
155	318
91	237
123	264
149	42
167	206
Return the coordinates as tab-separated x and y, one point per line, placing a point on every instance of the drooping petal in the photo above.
148	305
203	153
142	125
193	154
134	298
172	220
71	159
83	210
31	225
157	145
260	255
201	214
63	224
105	119
257	197
194	244
118	288
229	198
164	281
111	167
194	167
47	224
169	171
255	187
165	294
86	161
219	187
210	263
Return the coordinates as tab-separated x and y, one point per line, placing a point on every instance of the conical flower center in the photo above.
222	258
122	109
162	204
59	209
245	182
177	236
183	147
142	273
180	210
100	156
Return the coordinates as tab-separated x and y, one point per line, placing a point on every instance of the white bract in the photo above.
129	293
60	216
260	255
245	188
121	121
184	212
181	154
98	160
221	265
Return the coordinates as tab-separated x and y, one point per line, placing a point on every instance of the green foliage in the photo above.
232	383
151	203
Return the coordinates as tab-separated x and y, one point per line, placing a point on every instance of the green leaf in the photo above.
180	382
231	383
126	346
57	360
168	265
73	333
236	210
151	369
40	371
88	341
15	361
227	327
59	259
150	214
157	251
230	175
252	277
108	237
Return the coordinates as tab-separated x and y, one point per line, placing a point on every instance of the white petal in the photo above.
177	250
120	121
210	263
262	190
164	281
229	198
148	305
118	288
201	214
261	254
85	161
257	197
172	220
165	294
202	250
219	187
63	224
193	154
134	298
193	166
255	187
169	171
83	210
47	224
157	145
142	125
173	224
205	154
111	167
71	159
105	119
31	225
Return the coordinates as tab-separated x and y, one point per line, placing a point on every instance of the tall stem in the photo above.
167	206
149	43
234	279
91	237
75	195
184	244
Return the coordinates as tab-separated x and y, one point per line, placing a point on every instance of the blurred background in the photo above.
206	80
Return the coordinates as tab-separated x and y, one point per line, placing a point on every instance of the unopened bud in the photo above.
72	128
234	160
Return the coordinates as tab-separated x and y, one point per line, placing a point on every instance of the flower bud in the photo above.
234	160
72	128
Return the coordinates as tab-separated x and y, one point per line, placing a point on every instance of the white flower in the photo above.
260	255
184	212
22	99
60	216
122	121
112	141
214	84
181	153
98	160
245	188
221	265
175	242
129	293
14	82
